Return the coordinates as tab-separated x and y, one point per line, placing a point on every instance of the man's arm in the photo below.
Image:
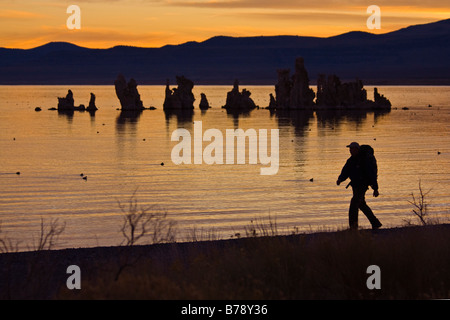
345	173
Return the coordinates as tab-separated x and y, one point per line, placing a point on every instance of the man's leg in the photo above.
366	209
369	214
355	203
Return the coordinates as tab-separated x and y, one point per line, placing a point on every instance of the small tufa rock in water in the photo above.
162	163
37	109
18	173
204	104
92	107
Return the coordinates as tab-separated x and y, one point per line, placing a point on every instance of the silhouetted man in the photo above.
362	172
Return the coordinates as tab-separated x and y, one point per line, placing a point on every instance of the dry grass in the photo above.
414	262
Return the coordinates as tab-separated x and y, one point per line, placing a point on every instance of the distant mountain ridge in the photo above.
417	54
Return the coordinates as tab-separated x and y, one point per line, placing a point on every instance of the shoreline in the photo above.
389	230
43	274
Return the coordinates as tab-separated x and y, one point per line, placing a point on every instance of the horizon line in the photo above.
225	36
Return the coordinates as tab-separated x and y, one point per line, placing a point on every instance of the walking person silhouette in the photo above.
362	170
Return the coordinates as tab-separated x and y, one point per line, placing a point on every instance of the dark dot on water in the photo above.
85	178
312	179
162	163
18	173
439	152
81	174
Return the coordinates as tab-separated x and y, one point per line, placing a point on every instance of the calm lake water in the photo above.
121	156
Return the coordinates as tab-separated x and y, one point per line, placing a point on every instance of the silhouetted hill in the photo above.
413	55
57	47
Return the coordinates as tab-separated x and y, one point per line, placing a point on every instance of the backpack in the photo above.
370	163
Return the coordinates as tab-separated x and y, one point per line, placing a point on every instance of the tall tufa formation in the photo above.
128	95
302	96
294	93
283	89
180	98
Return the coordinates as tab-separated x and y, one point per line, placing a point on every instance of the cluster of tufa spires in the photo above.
291	93
295	93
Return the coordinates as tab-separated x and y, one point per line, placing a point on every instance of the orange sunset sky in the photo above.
154	23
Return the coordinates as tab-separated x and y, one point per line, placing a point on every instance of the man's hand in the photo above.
338	182
376	193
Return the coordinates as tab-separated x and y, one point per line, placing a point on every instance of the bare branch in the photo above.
420	205
142	221
47	237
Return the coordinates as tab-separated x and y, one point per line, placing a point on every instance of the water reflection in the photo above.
236	114
380	114
68	114
183	119
92	113
300	120
126	121
335	118
181	116
126	131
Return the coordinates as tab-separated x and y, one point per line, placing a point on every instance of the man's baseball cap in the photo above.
353	145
